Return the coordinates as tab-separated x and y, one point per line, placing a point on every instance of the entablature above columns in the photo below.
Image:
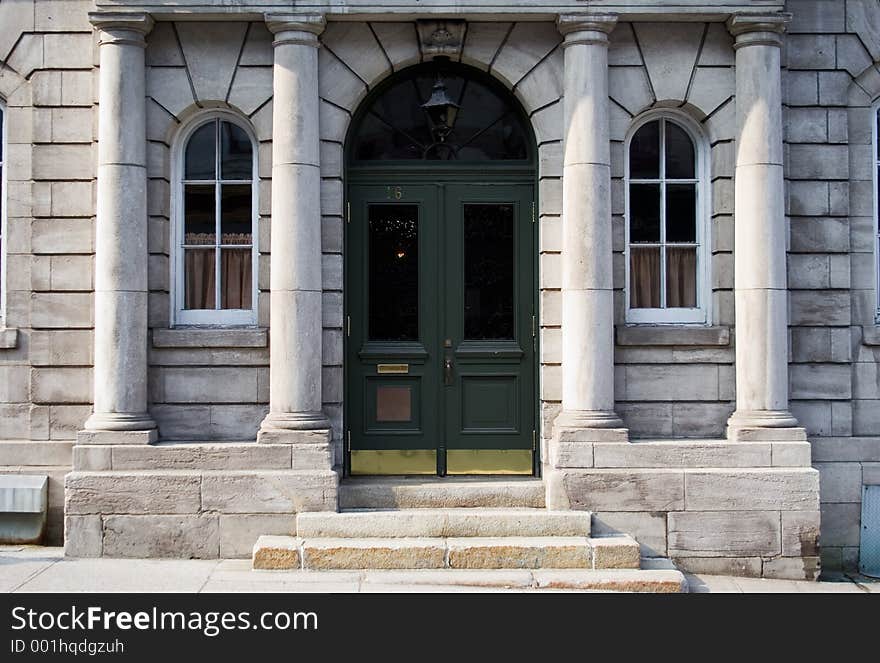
475	10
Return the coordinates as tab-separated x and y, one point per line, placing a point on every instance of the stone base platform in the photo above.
186	500
712	506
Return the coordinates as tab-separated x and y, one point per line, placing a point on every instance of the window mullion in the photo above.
217	212
663	213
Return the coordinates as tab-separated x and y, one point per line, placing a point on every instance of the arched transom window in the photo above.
216	214
665	225
441	111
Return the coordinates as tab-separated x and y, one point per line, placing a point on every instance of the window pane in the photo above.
644	277
488	271
644	152
198	210
200	155
235	279
236	221
394	273
681	277
644	213
237	153
199	278
679	153
681	213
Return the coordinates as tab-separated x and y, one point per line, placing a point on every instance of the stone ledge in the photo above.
871	335
8	338
36	453
210	338
675	335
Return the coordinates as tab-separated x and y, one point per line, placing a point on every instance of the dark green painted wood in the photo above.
490	403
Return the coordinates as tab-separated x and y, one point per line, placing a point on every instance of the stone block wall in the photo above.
215	386
677	384
830	86
47	53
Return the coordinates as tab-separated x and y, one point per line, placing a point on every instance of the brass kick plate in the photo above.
374	461
392	369
489	461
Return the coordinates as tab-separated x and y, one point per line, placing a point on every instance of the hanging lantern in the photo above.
441	110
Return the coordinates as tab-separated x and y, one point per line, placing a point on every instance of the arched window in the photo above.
215	224
441	112
3	129
666	223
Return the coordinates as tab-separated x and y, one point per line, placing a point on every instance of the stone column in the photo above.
295	406
587	415
587	281
760	236
120	411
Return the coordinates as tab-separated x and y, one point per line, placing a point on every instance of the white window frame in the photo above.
210	317
875	119
4	194
701	315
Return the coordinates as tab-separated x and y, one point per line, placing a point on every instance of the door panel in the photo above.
392	372
489	304
440	352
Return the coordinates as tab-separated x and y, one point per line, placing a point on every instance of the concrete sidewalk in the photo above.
39	569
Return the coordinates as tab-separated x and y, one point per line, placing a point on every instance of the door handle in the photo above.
447	372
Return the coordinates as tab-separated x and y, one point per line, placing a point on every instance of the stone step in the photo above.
440	493
663	579
509	552
462	522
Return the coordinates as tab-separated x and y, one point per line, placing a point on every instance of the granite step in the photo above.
504	552
464	522
440	493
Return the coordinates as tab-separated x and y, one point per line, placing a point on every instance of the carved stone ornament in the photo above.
441	37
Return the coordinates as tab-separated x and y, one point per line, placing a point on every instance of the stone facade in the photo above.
633	420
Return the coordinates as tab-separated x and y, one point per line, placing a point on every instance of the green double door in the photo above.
440	347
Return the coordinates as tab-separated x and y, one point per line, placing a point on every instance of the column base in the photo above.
573	437
118	428
295	421
588	419
764	426
310	449
105	437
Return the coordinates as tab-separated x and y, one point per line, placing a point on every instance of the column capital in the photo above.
758	29
586	28
122	27
305	28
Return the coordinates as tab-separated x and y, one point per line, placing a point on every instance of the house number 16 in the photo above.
394	192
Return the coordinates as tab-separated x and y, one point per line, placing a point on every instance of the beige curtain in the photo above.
681	278
644	278
235	274
199	277
235	279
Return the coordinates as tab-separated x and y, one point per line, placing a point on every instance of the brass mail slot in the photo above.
394	369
